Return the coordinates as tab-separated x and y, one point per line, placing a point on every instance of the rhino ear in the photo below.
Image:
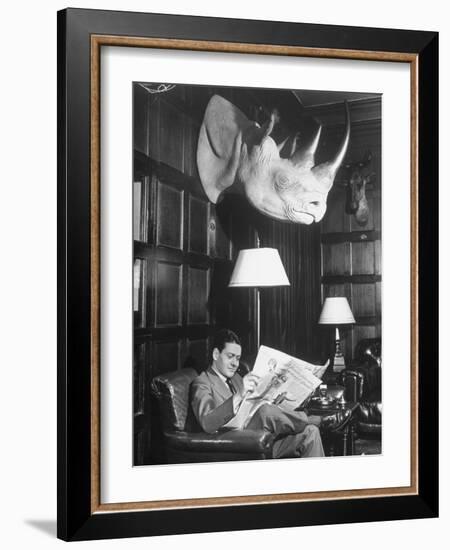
219	146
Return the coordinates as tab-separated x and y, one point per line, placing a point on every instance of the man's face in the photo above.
227	361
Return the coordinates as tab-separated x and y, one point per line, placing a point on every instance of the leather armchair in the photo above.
182	438
362	382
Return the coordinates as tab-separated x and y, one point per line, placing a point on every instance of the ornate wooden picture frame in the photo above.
82	513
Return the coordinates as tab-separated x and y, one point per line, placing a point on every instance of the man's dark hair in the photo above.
225	336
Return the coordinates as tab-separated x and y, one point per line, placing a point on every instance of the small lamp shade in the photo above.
336	311
258	267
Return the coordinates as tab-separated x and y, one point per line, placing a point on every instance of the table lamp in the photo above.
256	268
336	311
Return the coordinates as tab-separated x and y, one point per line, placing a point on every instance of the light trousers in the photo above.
295	435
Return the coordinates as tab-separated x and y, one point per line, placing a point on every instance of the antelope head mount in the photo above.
359	175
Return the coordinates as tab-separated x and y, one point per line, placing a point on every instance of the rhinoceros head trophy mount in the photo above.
234	151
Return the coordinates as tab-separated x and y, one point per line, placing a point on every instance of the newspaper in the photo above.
283	380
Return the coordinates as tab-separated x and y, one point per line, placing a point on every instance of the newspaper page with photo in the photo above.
283	380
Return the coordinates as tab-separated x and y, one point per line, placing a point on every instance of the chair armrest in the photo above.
353	382
370	412
242	441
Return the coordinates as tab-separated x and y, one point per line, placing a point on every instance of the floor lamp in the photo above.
257	268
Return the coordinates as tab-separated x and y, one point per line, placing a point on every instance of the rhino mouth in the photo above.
306	218
300	216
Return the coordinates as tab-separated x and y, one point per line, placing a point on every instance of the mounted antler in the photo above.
232	150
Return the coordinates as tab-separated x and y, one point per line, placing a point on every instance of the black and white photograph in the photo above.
257	273
225	275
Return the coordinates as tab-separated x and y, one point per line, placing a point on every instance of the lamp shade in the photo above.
336	311
258	267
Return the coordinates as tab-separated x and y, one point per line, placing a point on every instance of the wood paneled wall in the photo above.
351	254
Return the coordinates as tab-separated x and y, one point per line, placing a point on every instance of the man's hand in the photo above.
250	382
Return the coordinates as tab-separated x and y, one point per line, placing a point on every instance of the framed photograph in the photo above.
247	258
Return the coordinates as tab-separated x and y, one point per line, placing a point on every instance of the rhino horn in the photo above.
326	171
294	144
282	144
292	147
304	157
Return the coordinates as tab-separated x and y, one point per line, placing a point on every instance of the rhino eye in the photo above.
281	181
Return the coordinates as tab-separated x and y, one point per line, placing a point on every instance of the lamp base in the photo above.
338	363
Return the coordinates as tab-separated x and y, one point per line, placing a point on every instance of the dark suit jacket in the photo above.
212	400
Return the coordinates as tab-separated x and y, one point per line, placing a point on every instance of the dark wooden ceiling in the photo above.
299	110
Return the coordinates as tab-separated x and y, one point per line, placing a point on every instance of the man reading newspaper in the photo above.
265	398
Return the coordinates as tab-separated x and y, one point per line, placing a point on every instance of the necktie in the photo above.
230	385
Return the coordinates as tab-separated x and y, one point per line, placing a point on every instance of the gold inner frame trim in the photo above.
97	41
